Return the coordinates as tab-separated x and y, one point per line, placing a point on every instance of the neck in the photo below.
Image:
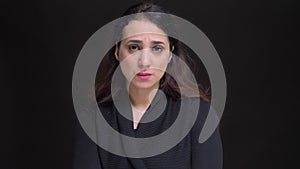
141	98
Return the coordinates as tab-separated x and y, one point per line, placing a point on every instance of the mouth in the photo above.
143	75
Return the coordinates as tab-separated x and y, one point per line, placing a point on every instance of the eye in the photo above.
157	49
133	48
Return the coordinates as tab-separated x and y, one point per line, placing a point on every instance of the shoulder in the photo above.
105	106
203	109
195	110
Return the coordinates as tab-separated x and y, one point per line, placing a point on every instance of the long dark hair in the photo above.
109	63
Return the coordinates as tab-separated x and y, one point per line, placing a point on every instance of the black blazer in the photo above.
187	154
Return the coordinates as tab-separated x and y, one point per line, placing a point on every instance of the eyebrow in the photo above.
157	42
153	42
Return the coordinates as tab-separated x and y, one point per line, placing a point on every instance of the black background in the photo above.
257	42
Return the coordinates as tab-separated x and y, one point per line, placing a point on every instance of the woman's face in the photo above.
144	54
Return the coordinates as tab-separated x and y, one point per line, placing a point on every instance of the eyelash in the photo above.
132	50
138	48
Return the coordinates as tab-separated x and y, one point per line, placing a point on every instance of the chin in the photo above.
143	85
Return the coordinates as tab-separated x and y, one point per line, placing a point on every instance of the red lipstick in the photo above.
143	75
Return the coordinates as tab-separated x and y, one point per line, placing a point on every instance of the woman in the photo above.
133	85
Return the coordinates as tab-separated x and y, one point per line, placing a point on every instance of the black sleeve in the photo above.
207	155
85	151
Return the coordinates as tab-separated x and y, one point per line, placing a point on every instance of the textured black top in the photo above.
187	154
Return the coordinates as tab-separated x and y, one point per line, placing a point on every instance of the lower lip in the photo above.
144	77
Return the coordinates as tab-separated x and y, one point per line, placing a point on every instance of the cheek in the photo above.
161	63
121	55
128	67
160	74
123	60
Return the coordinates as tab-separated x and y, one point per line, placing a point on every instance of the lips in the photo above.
143	75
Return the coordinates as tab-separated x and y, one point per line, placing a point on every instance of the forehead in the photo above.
142	29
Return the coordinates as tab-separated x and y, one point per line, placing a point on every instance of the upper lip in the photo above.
143	74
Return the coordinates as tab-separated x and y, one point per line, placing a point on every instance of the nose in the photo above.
144	59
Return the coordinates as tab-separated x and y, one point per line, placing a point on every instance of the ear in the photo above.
171	54
116	52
